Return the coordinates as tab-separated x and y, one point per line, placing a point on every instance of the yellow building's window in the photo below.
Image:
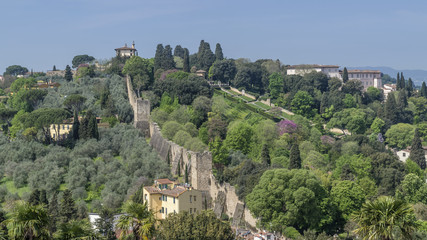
173	200
190	199
191	210
194	198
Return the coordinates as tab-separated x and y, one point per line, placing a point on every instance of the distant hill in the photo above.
418	76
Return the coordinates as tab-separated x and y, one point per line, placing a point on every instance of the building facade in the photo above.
330	70
369	78
166	197
126	51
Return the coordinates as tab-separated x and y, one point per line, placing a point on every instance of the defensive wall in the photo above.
222	198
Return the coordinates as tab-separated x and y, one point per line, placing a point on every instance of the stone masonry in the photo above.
220	197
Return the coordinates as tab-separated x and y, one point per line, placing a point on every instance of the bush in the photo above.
181	137
170	128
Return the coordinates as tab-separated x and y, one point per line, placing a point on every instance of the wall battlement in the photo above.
221	197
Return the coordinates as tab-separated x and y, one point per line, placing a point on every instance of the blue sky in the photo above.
38	34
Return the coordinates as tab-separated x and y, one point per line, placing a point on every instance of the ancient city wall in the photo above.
221	197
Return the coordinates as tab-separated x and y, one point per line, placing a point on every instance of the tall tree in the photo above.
80	59
391	109
168	62
15	70
398	81
76	127
68	74
158	57
417	151
345	75
186	67
178	51
53	211
54	68
410	87
402	101
141	72
89	127
402	81
294	157
424	90
105	224
27	222
34	198
68	210
384	217
218	52
265	155
205	56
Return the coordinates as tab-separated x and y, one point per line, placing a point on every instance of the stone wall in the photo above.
243	93
221	197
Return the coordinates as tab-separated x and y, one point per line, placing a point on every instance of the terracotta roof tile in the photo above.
164	181
174	192
152	190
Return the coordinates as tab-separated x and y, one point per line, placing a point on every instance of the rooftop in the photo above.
303	66
164	181
174	192
125	47
152	190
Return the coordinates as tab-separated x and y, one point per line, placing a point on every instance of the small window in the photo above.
63	127
145	197
166	198
163	210
174	200
190	199
194	198
166	211
191	210
404	154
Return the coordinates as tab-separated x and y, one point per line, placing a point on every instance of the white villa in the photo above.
330	70
367	77
126	51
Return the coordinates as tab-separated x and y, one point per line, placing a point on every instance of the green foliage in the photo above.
294	157
223	71
80	59
348	196
138	219
276	84
355	120
205	56
218	52
74	102
400	135
351	167
413	167
345	75
68	74
15	70
141	72
89	127
22	83
219	152
239	137
412	189
385	217
170	128
203	225
417	151
283	197
302	104
377	125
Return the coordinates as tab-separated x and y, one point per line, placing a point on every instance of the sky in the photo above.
38	34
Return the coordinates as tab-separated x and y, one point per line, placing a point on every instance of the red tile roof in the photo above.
152	190
164	181
174	192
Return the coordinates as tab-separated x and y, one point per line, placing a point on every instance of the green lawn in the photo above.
262	105
247	98
11	186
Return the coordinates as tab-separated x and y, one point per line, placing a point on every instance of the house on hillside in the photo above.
387	89
166	197
126	51
369	78
61	131
201	73
302	69
404	154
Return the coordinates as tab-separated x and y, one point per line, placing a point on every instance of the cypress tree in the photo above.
168	61
34	198
43	197
54	68
179	169
205	56
402	101
53	211
105	224
402	81
345	75
186	67
265	155
76	126
93	127
417	151
68	74
178	51
158	57
390	110
423	91
186	173
218	52
138	195
294	158
68	208
410	87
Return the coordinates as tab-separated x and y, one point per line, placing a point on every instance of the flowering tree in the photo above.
287	126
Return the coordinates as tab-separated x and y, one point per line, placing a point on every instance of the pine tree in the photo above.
68	208
417	151
402	81
158	57
178	51
68	74
218	52
54	68
423	90
205	56
294	158
186	67
186	173
390	110
345	75
34	198
265	155
179	169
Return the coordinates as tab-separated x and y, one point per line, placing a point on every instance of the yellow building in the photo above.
60	131
167	197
